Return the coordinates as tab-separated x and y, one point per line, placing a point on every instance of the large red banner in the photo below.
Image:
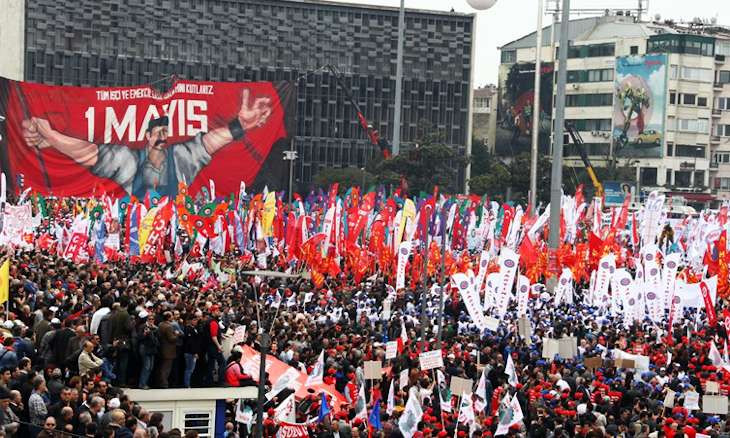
77	141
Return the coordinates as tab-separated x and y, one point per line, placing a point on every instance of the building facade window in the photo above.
681	43
699	126
683	150
721	157
722	184
691	73
722	103
648	176
682	178
591	124
599	99
592	75
592	50
509	56
723	76
722	47
722	130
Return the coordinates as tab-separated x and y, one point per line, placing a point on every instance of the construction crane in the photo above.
580	146
371	132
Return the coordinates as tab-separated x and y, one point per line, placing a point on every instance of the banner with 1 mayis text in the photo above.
81	141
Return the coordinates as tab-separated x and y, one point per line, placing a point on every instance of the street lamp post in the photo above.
290	156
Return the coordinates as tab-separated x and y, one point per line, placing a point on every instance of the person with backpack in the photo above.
234	371
149	343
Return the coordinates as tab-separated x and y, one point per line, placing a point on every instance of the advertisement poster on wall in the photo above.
515	109
640	106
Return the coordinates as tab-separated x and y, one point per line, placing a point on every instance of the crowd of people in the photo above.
77	334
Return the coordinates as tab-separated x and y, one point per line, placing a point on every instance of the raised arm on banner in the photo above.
251	115
38	133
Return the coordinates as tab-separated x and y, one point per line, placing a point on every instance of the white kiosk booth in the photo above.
199	409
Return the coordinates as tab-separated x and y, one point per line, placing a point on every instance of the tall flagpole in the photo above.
536	107
399	77
557	169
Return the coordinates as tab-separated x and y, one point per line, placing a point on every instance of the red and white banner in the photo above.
709	306
77	141
292	430
76	247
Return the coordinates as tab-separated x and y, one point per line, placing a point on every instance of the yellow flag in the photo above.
146	227
267	217
5	282
409	213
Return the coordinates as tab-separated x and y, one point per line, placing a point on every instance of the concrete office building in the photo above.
111	43
694	144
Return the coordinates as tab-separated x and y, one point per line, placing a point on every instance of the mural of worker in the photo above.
158	165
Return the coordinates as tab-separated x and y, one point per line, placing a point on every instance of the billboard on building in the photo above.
78	141
616	191
515	109
640	106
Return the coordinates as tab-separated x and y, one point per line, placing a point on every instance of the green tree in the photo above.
428	163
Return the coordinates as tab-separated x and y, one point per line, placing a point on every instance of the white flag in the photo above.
511	372
481	402
361	406
286	411
391	398
466	410
317	372
444	392
408	421
715	356
403	332
510	413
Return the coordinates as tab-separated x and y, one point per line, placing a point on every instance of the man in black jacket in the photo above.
192	346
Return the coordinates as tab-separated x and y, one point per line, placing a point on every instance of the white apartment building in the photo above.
695	158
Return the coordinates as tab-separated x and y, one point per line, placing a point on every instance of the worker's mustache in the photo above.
159	142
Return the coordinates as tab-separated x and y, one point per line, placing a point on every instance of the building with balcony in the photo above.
689	155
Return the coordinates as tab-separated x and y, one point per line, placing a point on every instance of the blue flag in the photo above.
374	418
324	408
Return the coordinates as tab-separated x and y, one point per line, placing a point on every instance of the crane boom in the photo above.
578	140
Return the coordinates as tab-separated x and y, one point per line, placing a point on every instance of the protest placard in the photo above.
461	386
568	347
524	329
669	399
239	335
712	387
714	404
403	381
592	363
550	348
391	349
430	359
491	323
691	401
373	370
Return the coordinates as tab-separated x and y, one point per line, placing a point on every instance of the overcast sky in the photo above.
511	19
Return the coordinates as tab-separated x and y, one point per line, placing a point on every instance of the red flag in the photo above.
709	307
